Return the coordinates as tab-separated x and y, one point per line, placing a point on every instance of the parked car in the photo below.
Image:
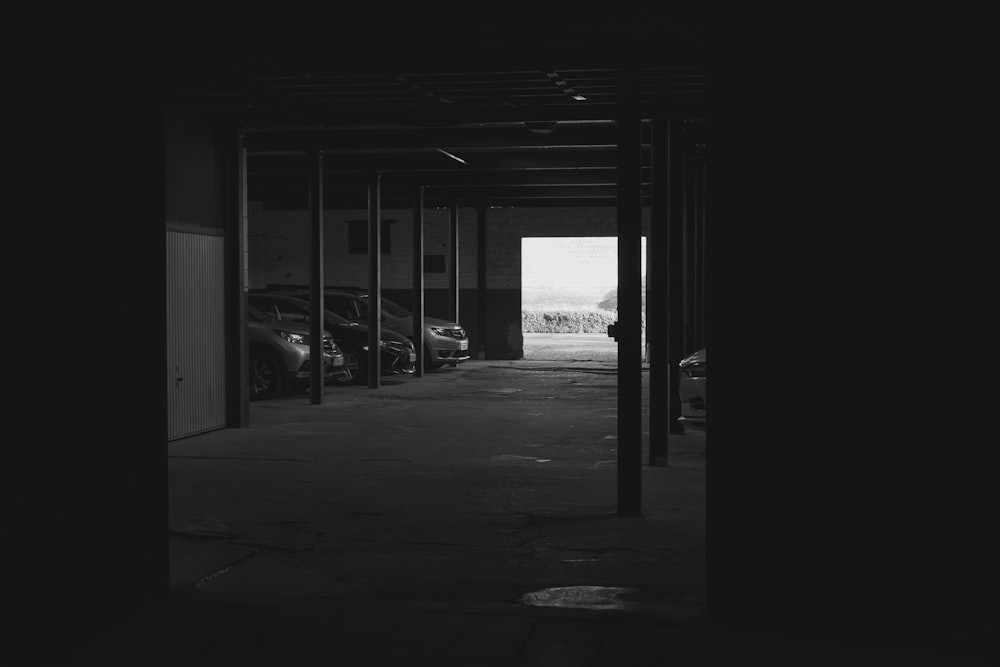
444	342
694	376
397	354
279	355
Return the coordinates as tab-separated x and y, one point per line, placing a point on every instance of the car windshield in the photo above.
255	315
330	315
394	308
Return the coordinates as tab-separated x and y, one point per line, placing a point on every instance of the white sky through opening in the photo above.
568	273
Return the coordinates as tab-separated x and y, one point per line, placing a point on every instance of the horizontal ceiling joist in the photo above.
360	193
432	201
481	178
605	157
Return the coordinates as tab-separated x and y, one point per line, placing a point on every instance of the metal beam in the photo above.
358	194
481	259
237	385
374	280
657	301
453	286
629	327
418	278
339	142
607	176
675	272
316	352
678	104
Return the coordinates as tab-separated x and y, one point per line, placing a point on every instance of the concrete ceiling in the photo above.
503	110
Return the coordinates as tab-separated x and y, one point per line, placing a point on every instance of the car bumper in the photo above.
398	364
447	350
692	394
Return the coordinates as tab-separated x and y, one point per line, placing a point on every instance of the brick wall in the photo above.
278	244
278	253
278	248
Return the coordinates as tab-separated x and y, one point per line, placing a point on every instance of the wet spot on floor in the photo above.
580	597
516	457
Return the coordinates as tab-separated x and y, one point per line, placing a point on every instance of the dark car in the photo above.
444	342
397	354
279	355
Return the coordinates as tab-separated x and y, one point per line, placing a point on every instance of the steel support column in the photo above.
374	280
663	306
481	276
418	278
676	263
629	326
453	264
701	170
316	383
691	269
237	352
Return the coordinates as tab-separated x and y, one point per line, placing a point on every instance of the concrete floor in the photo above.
464	518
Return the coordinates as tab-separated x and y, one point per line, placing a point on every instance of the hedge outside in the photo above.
567	321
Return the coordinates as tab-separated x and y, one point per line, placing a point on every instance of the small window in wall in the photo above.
357	237
434	264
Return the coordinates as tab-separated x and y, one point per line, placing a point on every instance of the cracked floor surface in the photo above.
457	519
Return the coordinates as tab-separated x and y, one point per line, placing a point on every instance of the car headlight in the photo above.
393	345
441	331
298	339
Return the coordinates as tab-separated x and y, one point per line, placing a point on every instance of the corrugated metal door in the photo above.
195	334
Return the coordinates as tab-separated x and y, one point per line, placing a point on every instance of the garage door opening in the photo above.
569	296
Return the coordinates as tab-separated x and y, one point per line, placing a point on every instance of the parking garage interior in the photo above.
821	525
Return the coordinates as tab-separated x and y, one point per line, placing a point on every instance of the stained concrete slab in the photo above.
406	524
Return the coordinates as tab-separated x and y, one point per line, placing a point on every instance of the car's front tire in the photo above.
264	375
356	367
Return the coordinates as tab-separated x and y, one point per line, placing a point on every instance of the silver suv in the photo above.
444	342
279	356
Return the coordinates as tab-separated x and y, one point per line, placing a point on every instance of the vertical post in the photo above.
690	243
374	280
675	271
629	327
453	268
699	194
481	276
237	390
316	366
703	208
418	278
656	301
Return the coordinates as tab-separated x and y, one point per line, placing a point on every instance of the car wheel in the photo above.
429	361
356	365
264	375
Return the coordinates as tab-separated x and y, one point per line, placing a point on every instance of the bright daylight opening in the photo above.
569	296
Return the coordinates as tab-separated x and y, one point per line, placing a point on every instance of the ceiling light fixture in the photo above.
540	127
452	156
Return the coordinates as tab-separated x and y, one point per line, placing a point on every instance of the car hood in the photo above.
290	326
445	324
699	357
387	334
